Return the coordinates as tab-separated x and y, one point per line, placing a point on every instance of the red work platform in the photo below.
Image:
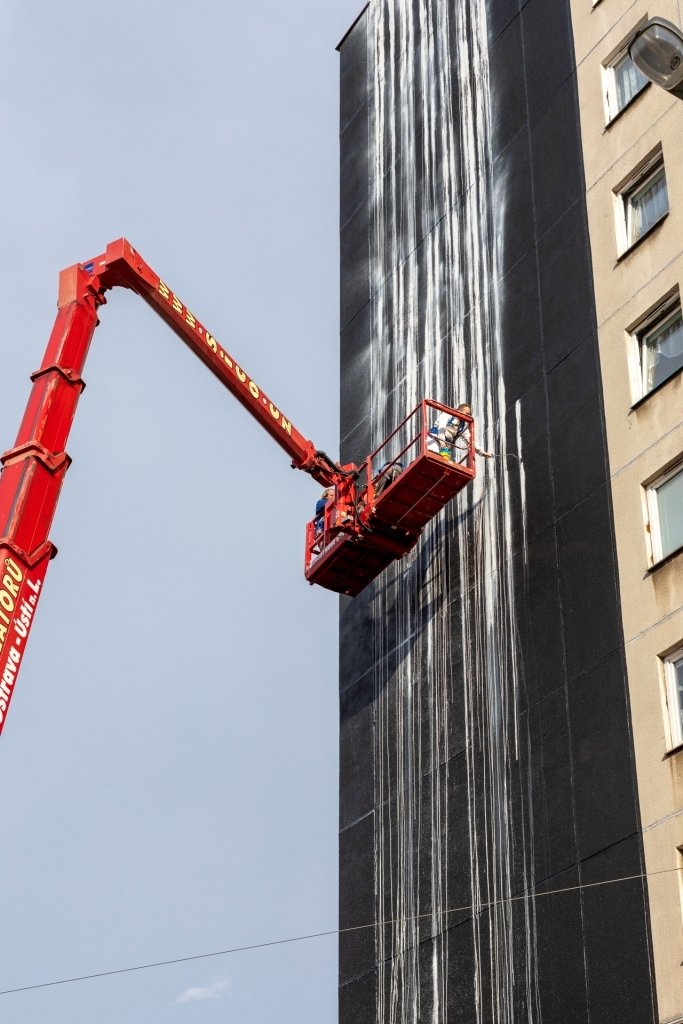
401	486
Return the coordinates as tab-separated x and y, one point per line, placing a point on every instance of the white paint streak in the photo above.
436	250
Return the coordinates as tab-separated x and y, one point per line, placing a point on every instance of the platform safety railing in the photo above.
410	440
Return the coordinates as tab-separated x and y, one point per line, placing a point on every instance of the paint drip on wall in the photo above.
447	666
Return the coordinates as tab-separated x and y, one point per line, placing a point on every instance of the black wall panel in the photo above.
589	946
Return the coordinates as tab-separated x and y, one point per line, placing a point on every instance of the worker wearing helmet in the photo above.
450	436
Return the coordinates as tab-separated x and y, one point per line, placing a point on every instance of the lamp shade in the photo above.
657	51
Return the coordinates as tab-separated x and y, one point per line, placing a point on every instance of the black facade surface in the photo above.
546	29
355	359
559	914
567	320
556	162
461	994
357	768
513	166
599	736
499	14
353	192
508	95
540	513
521	300
617	968
575	422
353	73
588	586
540	617
357	948
590	946
358	1000
355	255
556	850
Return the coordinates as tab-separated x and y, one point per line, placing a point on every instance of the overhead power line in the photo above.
473	908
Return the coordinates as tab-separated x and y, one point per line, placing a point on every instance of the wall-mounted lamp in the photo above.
657	51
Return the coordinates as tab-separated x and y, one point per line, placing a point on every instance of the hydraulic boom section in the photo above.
374	513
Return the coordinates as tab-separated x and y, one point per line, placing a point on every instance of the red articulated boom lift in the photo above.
375	513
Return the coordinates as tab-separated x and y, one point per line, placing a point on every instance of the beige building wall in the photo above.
644	435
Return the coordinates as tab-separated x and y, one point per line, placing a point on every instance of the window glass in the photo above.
645	205
668	532
661	350
628	81
673	671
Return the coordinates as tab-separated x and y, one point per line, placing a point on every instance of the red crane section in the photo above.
401	486
374	514
122	265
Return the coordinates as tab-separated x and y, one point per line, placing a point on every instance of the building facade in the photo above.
510	789
632	144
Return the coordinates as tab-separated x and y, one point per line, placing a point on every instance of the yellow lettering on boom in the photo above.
191	321
14	570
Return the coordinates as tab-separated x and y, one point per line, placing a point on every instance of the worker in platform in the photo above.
386	476
320	504
450	436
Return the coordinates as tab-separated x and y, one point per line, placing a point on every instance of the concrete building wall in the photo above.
644	433
487	761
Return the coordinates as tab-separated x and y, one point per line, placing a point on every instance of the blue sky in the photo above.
170	760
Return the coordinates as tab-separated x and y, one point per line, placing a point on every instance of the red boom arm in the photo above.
34	469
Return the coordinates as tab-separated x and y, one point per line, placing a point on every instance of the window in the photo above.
646	204
673	686
622	81
659	345
665	513
641	201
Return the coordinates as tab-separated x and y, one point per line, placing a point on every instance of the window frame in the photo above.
656	553
655	319
657	173
609	84
672	705
623	194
